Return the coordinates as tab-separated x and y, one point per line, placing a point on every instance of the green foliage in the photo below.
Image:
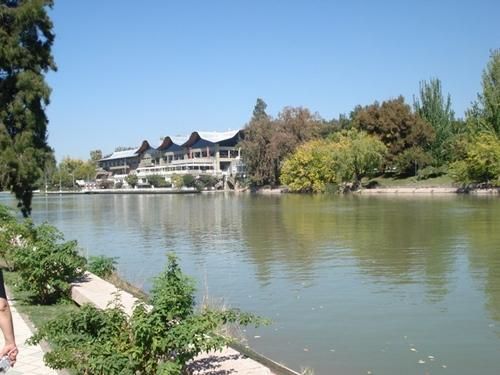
132	180
309	168
431	172
25	55
484	115
188	180
95	156
411	160
156	180
106	184
102	265
481	163
177	181
395	125
435	110
345	158
268	142
79	169
13	234
259	111
156	340
46	264
205	181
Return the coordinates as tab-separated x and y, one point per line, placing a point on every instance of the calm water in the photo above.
352	284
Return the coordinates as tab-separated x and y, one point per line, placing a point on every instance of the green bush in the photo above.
106	184
481	163
46	264
132	180
188	180
205	181
430	172
411	160
101	265
13	234
157	180
157	340
177	181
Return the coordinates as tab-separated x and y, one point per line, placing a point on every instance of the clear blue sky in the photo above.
133	70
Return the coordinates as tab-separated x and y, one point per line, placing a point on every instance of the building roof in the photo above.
121	154
218	136
176	143
128	153
202	139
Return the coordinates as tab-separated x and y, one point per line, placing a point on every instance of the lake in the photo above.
353	284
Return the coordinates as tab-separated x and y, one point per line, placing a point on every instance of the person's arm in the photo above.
6	326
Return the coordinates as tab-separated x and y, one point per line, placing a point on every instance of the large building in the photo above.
214	153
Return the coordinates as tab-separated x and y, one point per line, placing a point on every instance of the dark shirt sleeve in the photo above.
2	287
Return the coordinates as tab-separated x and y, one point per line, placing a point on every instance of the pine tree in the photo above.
26	39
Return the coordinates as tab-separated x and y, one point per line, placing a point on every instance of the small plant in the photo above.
157	340
46	264
13	234
101	265
132	180
177	181
156	180
188	180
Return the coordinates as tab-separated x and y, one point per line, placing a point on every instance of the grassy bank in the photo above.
37	314
391	182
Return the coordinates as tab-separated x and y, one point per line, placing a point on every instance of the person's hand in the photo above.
11	351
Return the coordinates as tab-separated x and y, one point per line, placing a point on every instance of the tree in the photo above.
132	179
95	156
156	180
362	153
485	112
259	111
309	169
344	158
70	170
268	142
394	123
25	55
481	163
436	111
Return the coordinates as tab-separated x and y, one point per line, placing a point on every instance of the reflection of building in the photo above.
214	153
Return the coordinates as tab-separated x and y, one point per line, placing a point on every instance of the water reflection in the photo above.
351	273
392	241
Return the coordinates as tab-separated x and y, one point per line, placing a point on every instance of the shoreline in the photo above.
429	190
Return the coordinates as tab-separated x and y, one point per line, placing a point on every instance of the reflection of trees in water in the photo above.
394	241
401	240
482	227
285	232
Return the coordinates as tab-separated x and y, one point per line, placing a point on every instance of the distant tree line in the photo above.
310	154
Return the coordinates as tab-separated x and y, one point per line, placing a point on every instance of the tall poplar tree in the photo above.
436	110
484	114
26	39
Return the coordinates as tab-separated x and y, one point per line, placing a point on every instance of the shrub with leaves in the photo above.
481	163
46	264
102	265
159	339
188	180
177	181
13	234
